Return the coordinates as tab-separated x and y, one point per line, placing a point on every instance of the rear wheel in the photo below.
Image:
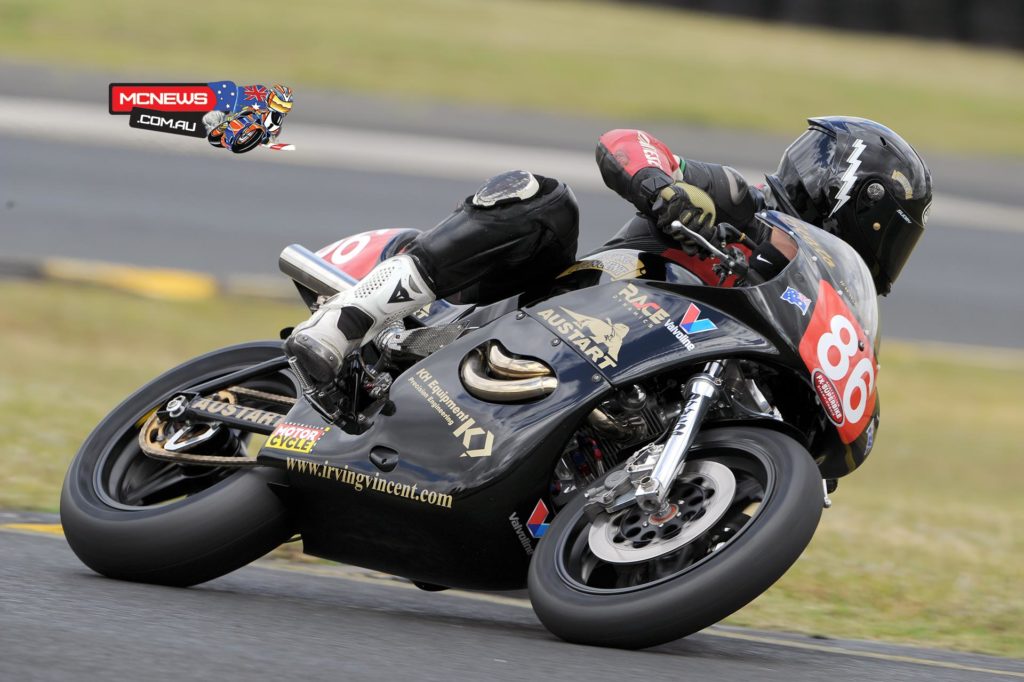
739	515
131	517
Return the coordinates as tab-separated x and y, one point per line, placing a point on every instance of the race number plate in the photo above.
842	364
356	255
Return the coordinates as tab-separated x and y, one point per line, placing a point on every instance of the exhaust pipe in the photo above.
313	272
475	377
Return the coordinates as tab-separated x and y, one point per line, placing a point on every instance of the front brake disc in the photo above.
699	498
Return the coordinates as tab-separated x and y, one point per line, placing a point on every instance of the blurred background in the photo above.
403	107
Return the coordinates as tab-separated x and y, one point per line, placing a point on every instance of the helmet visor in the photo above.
889	229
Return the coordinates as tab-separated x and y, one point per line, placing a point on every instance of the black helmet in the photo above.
862	182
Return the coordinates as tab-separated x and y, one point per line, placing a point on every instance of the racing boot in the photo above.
393	289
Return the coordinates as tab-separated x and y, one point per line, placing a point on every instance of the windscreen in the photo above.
837	262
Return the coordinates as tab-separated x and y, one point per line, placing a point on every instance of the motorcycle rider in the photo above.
850	176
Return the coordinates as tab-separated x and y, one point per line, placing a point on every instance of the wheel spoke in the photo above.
705	513
170	481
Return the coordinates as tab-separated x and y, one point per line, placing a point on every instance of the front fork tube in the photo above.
701	392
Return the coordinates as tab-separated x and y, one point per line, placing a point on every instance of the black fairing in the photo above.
606	323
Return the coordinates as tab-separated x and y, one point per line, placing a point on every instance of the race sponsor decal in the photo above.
358	254
600	340
293	437
616	264
208	407
360	481
842	364
650	313
791	295
829	396
693	323
536	523
517	528
475	440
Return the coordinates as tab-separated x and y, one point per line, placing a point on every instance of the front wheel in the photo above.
134	518
743	509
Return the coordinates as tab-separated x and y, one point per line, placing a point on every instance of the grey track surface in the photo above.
983	179
224	214
227	215
60	621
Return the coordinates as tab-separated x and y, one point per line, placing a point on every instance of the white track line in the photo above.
414	155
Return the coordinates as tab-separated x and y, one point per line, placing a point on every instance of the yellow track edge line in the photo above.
160	283
35	528
388	581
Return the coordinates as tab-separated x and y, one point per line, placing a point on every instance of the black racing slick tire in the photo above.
634	606
206	523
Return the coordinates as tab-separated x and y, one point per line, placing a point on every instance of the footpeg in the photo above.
325	399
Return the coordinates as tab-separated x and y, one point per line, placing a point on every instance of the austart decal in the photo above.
600	340
293	437
214	408
476	441
842	364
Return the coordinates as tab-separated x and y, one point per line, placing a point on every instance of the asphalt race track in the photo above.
75	181
222	214
313	622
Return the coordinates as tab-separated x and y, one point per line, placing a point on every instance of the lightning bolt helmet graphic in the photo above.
849	177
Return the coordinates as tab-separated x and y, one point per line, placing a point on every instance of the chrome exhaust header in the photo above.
508	367
313	272
529	385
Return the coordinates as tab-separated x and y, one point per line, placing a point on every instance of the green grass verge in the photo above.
613	60
923	544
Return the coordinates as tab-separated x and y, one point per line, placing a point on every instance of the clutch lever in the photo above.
735	265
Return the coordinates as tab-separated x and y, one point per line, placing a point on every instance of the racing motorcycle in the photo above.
646	453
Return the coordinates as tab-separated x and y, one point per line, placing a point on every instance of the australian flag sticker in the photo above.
791	295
